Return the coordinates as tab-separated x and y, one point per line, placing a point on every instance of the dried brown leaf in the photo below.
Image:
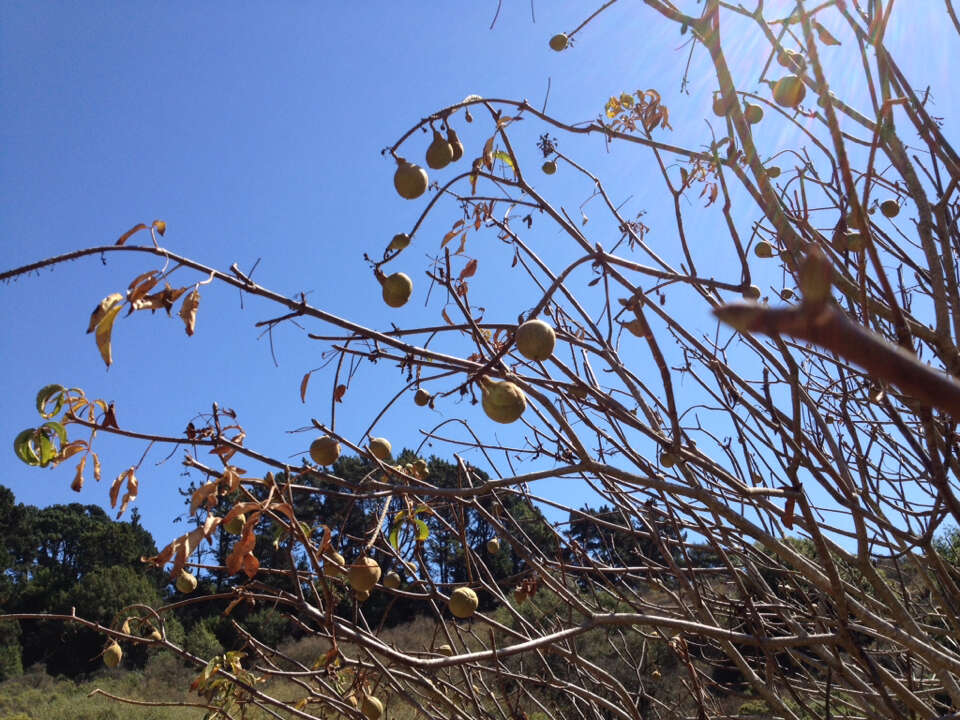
188	310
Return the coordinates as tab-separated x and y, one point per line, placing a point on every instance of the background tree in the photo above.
773	486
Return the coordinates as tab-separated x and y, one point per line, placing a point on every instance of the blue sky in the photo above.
254	130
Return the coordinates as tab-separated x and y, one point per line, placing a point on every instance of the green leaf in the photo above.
45	395
57	428
24	449
47	450
423	532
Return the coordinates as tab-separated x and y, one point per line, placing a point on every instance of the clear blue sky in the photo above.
254	130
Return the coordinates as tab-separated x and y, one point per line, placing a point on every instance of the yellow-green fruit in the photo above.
855	242
363	574
380	448
445	650
397	289
890	208
235	525
422	397
439	153
391	580
752	293
549	167
371	707
753	113
763	249
493	546
112	655
420	468
361	595
786	294
773	172
791	59
332	564
455	144
503	402
399	242
156	636
463	602
720	106
789	91
559	42
822	103
410	180
186	582
535	340
668	460
324	450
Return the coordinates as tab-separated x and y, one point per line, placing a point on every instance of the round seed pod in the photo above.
410	180
324	450
720	106
890	208
422	397
763	249
463	602
789	91
535	340
112	655
380	448
363	574
503	402
455	144
186	582
752	293
439	153
559	42
333	563
391	580
397	289
753	113
549	167
493	546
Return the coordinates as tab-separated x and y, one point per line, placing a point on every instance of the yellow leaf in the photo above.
100	311
105	330
161	226
188	311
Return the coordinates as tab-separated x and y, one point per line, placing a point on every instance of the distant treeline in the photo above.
75	556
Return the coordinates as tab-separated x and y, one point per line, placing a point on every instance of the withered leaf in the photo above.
339	392
303	386
825	37
188	310
161	226
135	229
469	269
163	299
